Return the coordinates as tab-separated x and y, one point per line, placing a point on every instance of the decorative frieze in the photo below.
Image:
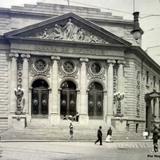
68	31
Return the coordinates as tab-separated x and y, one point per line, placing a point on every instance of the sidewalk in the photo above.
113	145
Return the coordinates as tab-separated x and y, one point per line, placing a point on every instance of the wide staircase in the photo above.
41	130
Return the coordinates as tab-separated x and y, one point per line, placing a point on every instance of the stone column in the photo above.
110	91
83	92
25	82
55	114
13	83
121	82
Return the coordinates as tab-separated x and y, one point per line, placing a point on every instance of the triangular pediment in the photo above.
68	27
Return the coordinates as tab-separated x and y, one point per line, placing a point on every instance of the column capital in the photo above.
57	58
27	56
84	60
121	62
111	61
13	55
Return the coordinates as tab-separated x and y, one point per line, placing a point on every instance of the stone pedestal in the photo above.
19	122
119	124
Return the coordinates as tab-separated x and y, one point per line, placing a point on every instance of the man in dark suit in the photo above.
99	136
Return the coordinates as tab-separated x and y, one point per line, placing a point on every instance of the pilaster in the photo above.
54	112
25	81
121	82
83	92
13	82
110	91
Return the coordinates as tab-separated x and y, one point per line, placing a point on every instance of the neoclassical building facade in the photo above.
57	65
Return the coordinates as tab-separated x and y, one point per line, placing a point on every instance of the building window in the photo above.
154	81
147	77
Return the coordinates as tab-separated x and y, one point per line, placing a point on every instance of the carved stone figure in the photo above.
68	30
19	94
44	35
57	32
80	34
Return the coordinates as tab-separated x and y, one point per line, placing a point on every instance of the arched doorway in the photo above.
40	94
95	101
68	99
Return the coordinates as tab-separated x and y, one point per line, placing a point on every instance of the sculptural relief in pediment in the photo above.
69	32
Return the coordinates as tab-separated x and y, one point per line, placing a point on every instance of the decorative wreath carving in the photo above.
40	66
96	70
68	67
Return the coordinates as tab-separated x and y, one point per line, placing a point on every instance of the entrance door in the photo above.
40	101
95	101
68	99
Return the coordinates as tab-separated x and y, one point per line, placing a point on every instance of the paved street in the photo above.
76	151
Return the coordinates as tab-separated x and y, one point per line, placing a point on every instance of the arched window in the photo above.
95	101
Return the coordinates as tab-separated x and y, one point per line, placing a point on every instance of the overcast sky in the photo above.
149	13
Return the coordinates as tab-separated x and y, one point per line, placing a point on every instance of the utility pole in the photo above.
134	6
68	2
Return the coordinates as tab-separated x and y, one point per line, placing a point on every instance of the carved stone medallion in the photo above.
40	66
96	70
68	67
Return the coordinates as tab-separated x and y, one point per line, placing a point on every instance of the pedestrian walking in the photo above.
71	131
109	135
155	138
99	136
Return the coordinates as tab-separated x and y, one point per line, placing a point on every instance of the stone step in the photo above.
61	134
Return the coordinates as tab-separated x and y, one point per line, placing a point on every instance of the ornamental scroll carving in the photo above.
69	32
